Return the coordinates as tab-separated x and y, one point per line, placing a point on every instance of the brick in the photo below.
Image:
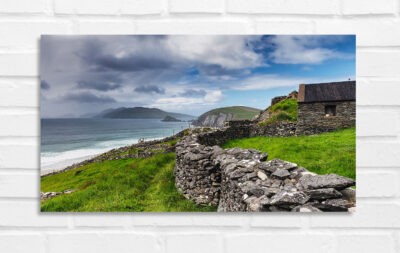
143	7
88	7
276	220
377	123
365	7
27	93
109	7
19	185
378	63
187	27
99	220
21	64
317	7
197	6
279	242
160	220
377	92
377	154
27	214
105	27
367	215
283	27
377	184
101	242
21	243
19	125
361	242
370	32
22	6
26	34
10	156
193	243
187	220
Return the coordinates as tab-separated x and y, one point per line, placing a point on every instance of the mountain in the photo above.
218	117
170	119
139	113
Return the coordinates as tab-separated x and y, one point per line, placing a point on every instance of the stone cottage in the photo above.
326	106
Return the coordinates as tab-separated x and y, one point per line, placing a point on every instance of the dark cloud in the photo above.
44	85
95	53
87	97
193	93
218	70
150	89
96	85
130	63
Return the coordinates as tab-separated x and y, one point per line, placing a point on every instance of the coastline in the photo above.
104	155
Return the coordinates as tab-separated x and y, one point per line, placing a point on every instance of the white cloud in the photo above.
303	50
264	82
213	96
230	52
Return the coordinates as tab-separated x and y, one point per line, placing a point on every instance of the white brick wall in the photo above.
375	227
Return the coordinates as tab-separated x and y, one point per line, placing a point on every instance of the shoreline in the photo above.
104	155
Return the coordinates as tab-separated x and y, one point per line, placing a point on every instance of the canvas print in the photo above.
198	123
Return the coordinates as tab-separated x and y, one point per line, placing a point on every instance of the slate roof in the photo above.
323	92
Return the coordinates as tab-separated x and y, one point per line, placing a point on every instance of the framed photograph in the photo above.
198	123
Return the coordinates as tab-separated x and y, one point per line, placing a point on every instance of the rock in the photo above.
325	193
334	205
285	198
306	209
275	164
281	174
325	181
253	204
262	175
349	194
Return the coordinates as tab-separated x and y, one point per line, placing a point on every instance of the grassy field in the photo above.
333	152
126	185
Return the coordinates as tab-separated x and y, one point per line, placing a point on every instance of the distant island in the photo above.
140	113
170	119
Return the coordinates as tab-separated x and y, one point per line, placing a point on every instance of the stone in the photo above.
285	198
253	204
334	205
281	174
306	209
349	194
324	193
262	175
325	181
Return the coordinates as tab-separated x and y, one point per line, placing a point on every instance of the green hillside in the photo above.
285	110
238	112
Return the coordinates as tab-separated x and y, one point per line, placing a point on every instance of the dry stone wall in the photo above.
243	180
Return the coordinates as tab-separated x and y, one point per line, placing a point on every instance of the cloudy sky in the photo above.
81	75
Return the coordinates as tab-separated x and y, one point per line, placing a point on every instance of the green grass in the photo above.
285	110
325	153
126	185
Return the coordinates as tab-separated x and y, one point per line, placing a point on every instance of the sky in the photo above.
83	75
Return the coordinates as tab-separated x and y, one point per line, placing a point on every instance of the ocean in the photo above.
67	141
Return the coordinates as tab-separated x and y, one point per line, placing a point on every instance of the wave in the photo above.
51	161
